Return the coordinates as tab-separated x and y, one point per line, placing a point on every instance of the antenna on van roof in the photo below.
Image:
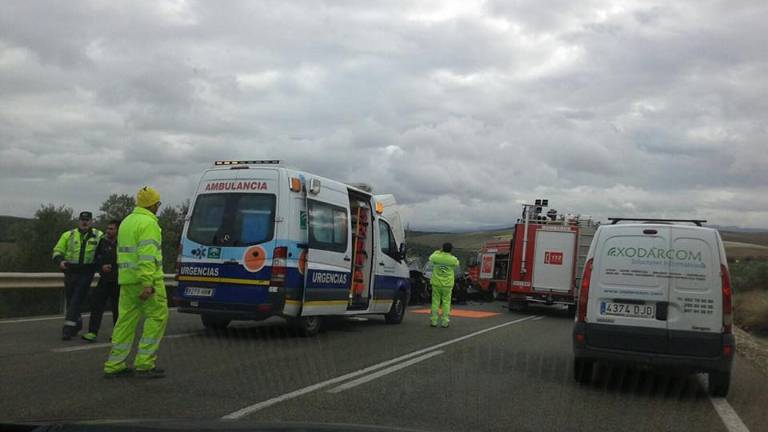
698	222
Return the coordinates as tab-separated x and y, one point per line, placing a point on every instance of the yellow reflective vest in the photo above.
443	267
139	252
77	248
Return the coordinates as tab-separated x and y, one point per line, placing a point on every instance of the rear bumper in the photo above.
246	312
549	298
668	352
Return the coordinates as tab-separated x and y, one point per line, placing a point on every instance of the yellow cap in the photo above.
147	197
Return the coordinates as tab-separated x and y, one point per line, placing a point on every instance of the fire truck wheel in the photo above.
571	311
490	295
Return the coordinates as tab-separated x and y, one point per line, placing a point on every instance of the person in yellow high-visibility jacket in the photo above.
443	267
74	253
142	292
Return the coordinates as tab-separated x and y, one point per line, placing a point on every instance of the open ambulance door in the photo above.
329	253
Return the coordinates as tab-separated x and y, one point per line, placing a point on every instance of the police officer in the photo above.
142	292
107	289
443	268
74	253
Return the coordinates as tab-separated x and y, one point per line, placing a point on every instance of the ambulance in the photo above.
264	240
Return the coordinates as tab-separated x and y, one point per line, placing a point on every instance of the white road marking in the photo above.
538	318
309	389
53	317
727	414
108	344
354	383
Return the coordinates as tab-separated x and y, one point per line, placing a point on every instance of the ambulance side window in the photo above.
387	240
328	226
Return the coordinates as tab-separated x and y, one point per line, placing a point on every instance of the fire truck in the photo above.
540	262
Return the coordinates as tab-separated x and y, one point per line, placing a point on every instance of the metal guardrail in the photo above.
52	280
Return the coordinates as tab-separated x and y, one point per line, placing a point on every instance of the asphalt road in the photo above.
510	371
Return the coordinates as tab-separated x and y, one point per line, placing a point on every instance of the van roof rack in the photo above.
698	222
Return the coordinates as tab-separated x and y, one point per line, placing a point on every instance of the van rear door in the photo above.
695	300
630	288
329	256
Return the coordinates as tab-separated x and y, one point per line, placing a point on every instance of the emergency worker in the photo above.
107	288
443	268
74	253
142	292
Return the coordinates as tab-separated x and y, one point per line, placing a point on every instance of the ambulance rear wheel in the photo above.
213	323
308	325
397	311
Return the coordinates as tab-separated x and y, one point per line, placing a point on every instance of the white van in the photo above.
265	240
656	293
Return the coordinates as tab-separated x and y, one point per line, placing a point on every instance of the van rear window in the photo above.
232	219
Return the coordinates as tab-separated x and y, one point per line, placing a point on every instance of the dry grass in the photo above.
751	311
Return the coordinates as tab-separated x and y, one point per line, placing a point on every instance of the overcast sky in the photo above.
462	109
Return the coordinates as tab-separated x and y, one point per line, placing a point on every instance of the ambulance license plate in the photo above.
198	292
629	310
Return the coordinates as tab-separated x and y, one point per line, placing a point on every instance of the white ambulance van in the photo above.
656	292
264	240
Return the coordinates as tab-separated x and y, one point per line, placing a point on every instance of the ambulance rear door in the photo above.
329	249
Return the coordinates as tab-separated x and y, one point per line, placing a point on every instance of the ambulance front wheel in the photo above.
397	311
214	323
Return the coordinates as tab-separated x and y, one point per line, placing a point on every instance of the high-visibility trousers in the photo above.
441	295
132	308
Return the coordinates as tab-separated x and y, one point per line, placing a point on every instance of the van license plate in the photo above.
198	292
628	310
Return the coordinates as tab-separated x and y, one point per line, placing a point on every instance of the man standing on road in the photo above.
142	292
106	263
74	253
443	267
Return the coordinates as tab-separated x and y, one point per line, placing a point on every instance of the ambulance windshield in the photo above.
232	219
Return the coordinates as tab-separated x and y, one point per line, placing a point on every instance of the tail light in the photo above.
727	299
279	262
179	252
581	315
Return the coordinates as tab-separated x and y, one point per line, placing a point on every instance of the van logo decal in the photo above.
214	252
334	278
236	186
655	253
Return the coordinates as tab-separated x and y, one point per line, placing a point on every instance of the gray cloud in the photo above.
462	109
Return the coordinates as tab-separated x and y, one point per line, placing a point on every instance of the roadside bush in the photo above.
749	275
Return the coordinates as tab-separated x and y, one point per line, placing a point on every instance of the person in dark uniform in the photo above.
107	288
74	253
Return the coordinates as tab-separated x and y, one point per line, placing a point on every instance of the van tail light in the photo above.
581	314
279	262
725	280
179	252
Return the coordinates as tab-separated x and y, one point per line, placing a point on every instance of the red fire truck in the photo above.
541	261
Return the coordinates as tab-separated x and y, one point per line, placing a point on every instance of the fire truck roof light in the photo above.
248	162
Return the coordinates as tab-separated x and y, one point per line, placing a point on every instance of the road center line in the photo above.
727	414
309	389
354	383
108	344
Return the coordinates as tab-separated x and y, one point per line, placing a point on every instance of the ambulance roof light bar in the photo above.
248	162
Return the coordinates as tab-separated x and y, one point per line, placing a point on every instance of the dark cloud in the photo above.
461	109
